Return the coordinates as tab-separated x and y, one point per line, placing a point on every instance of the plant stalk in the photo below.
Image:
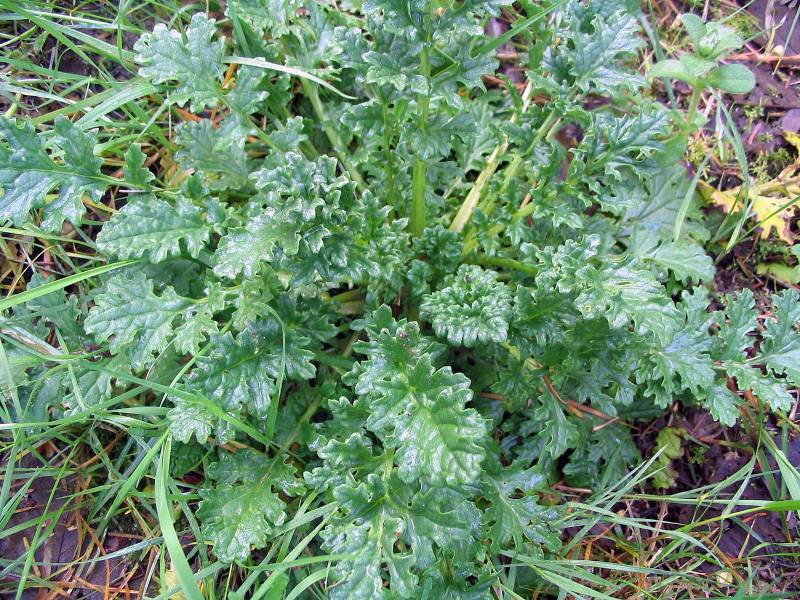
464	213
389	167
312	92
506	263
420	171
694	103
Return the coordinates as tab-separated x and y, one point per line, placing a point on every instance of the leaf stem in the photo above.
464	213
694	103
312	92
471	241
420	171
389	168
506	263
550	122
418	177
348	296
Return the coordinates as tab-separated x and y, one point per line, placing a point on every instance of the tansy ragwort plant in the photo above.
407	298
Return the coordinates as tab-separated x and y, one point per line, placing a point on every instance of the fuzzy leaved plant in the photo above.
363	282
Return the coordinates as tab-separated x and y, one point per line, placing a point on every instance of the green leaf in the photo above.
217	153
136	173
470	71
249	466
616	145
243	508
669	442
444	518
57	308
694	27
671	69
736	324
685	362
734	79
150	227
723	404
240	376
716	41
371	544
234	375
374	516
300	205
417	489
558	432
364	119
687	260
131	317
624	294
688	68
435	140
287	137
198	324
195	64
422	414
774	393
248	96
473	308
781	349
189	419
597	55
261	15
399	14
28	174
605	460
696	67
515	514
396	66
686	359
236	517
243	250
393	346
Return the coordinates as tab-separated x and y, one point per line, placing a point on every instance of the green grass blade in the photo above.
59	284
568	585
518	27
265	64
183	571
306	583
790	474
